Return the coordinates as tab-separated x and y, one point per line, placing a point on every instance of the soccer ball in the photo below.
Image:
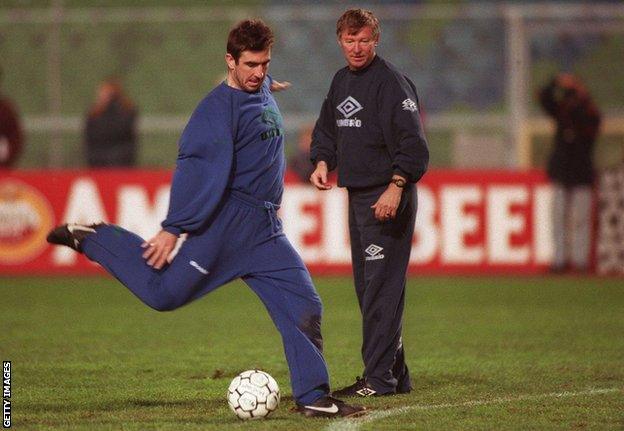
253	394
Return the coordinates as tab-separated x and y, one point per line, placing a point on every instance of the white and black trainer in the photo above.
330	407
71	234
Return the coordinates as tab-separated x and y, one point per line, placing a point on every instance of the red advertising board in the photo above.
468	221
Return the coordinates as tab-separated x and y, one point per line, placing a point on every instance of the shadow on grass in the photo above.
152	413
117	405
141	409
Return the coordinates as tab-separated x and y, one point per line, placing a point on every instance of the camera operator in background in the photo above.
571	169
11	135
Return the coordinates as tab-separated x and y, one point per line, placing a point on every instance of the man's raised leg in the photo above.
120	253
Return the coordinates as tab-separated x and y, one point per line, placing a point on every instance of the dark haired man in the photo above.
369	129
225	193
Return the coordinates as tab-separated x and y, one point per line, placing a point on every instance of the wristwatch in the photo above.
399	182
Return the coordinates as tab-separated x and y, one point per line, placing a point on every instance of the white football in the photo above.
253	394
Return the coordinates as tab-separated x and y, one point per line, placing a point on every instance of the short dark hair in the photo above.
249	35
353	20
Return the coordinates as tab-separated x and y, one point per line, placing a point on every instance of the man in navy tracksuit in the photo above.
225	193
369	129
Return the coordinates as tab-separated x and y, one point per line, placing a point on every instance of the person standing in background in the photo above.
11	135
571	169
299	161
110	131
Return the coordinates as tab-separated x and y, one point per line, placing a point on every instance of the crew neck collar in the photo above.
238	90
361	71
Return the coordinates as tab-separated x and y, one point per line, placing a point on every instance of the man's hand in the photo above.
279	86
319	176
388	203
159	248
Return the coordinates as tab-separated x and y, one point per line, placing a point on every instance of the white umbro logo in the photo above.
349	106
374	252
366	392
409	105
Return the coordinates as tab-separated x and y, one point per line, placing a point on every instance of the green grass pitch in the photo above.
484	352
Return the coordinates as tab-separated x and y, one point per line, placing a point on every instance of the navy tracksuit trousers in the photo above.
244	240
380	253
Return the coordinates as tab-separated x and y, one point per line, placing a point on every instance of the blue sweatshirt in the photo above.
233	140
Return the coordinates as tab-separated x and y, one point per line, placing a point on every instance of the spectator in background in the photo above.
110	131
11	136
299	161
571	168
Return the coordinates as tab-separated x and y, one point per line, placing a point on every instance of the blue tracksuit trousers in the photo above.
243	240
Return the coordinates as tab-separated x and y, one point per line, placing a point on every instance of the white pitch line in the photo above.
355	424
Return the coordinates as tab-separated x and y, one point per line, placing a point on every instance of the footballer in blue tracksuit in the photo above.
225	193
